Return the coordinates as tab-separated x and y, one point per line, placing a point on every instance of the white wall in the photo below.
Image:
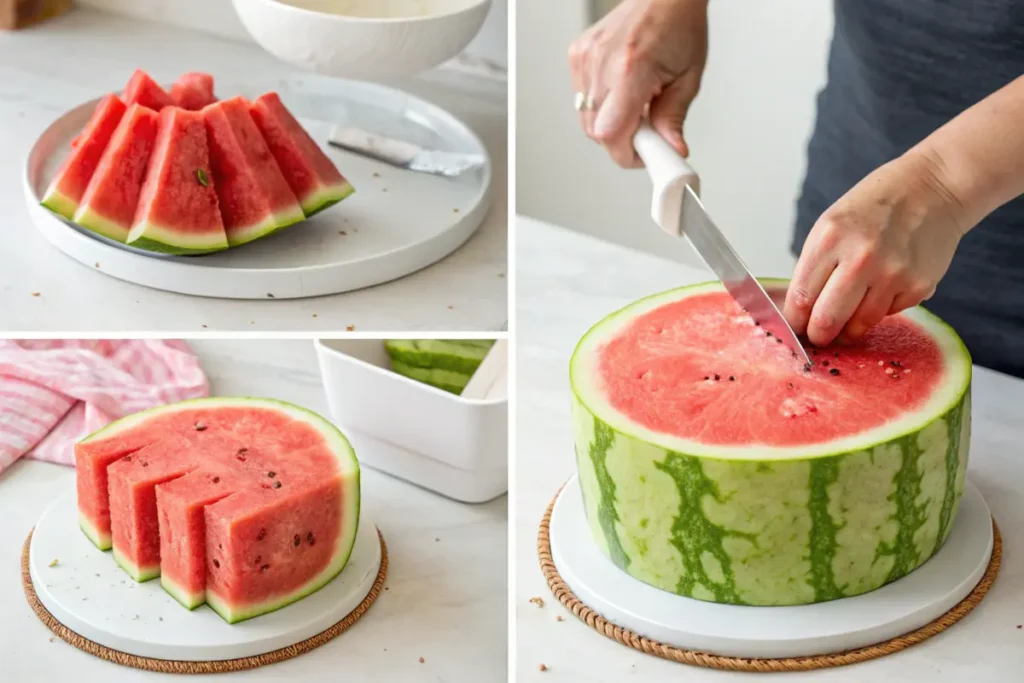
747	129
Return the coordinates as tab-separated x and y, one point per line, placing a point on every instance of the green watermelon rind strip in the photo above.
446	380
92	220
326	197
348	467
272	223
140	574
188	600
166	240
59	203
455	355
780	530
102	541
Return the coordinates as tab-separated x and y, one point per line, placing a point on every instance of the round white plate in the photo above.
396	223
772	632
90	594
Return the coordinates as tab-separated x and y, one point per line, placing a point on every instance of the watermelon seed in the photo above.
790	385
127	458
216	563
768	334
814	352
836	354
896	364
824	363
778	341
271	474
757	323
706	378
277	484
259	558
264	568
203	179
309	537
200	427
261	535
807	367
834	371
718	377
731	378
221	547
145	464
297	540
216	480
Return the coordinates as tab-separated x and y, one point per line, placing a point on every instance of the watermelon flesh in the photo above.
108	205
193	91
210	495
312	176
144	91
255	199
66	190
178	211
714	465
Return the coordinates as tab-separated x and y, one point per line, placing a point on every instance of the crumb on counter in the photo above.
539	601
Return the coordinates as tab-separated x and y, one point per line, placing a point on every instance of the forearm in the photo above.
978	157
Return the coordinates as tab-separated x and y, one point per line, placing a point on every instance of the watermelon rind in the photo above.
463	356
187	600
272	223
166	240
101	541
59	203
326	197
91	220
767	525
348	469
447	380
140	574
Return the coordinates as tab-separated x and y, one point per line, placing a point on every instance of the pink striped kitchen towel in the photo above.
54	392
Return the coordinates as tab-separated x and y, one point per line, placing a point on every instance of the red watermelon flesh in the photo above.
701	369
143	90
68	186
108	205
193	91
313	177
255	199
295	476
178	212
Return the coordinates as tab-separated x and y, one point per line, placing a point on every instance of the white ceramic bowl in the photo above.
455	446
363	39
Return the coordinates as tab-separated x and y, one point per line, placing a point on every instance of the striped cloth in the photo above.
54	392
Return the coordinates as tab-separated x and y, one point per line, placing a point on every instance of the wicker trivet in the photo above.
652	647
178	667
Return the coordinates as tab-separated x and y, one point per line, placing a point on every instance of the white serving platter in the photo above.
396	223
772	632
90	594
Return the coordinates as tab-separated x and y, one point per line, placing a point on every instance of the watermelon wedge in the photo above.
245	504
193	91
68	186
108	205
178	212
255	199
143	90
715	466
313	177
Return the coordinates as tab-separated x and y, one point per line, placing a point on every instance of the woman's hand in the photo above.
645	52
881	248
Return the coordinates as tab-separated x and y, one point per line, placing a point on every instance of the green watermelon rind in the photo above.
59	203
455	355
167	240
446	380
325	197
189	601
140	574
102	541
348	466
272	223
815	526
92	220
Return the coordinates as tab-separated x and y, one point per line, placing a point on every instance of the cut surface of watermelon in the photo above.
178	212
109	203
713	465
69	185
255	199
312	176
245	504
193	91
143	90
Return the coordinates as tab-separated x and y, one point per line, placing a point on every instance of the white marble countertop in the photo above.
565	283
47	70
445	597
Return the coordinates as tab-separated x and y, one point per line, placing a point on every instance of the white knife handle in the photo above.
670	174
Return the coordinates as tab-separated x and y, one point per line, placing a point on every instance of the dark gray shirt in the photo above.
899	69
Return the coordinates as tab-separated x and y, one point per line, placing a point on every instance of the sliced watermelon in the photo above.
68	186
313	177
193	91
178	212
246	504
143	90
108	205
714	466
444	364
255	199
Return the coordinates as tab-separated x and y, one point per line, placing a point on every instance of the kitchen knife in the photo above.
403	154
678	210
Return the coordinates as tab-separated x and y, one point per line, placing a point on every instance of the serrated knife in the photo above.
678	210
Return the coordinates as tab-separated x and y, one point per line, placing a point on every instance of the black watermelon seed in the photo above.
277	484
834	371
731	378
145	464
259	558
216	563
127	458
718	377
264	568
200	427
778	341
768	334
707	377
271	474
807	367
261	535
296	541
824	363
814	352
309	537
757	323
216	480
790	385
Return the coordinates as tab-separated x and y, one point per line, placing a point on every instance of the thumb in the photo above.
669	109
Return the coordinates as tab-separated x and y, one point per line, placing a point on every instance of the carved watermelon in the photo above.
716	466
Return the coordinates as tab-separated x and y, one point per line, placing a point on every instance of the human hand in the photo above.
882	248
644	52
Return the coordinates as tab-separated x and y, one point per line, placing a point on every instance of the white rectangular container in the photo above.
457	447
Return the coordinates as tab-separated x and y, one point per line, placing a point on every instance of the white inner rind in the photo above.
587	384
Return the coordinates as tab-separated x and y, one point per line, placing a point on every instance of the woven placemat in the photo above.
179	667
652	647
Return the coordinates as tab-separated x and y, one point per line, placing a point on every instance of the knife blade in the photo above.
677	208
404	154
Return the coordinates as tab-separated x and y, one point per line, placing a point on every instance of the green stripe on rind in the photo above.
90	220
101	541
165	240
326	197
463	356
140	574
781	531
271	224
185	599
60	203
446	380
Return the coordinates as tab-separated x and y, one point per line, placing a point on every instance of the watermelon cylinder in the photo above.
750	525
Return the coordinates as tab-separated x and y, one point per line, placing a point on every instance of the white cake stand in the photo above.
772	632
91	595
396	223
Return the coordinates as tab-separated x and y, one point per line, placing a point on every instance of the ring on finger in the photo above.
584	102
